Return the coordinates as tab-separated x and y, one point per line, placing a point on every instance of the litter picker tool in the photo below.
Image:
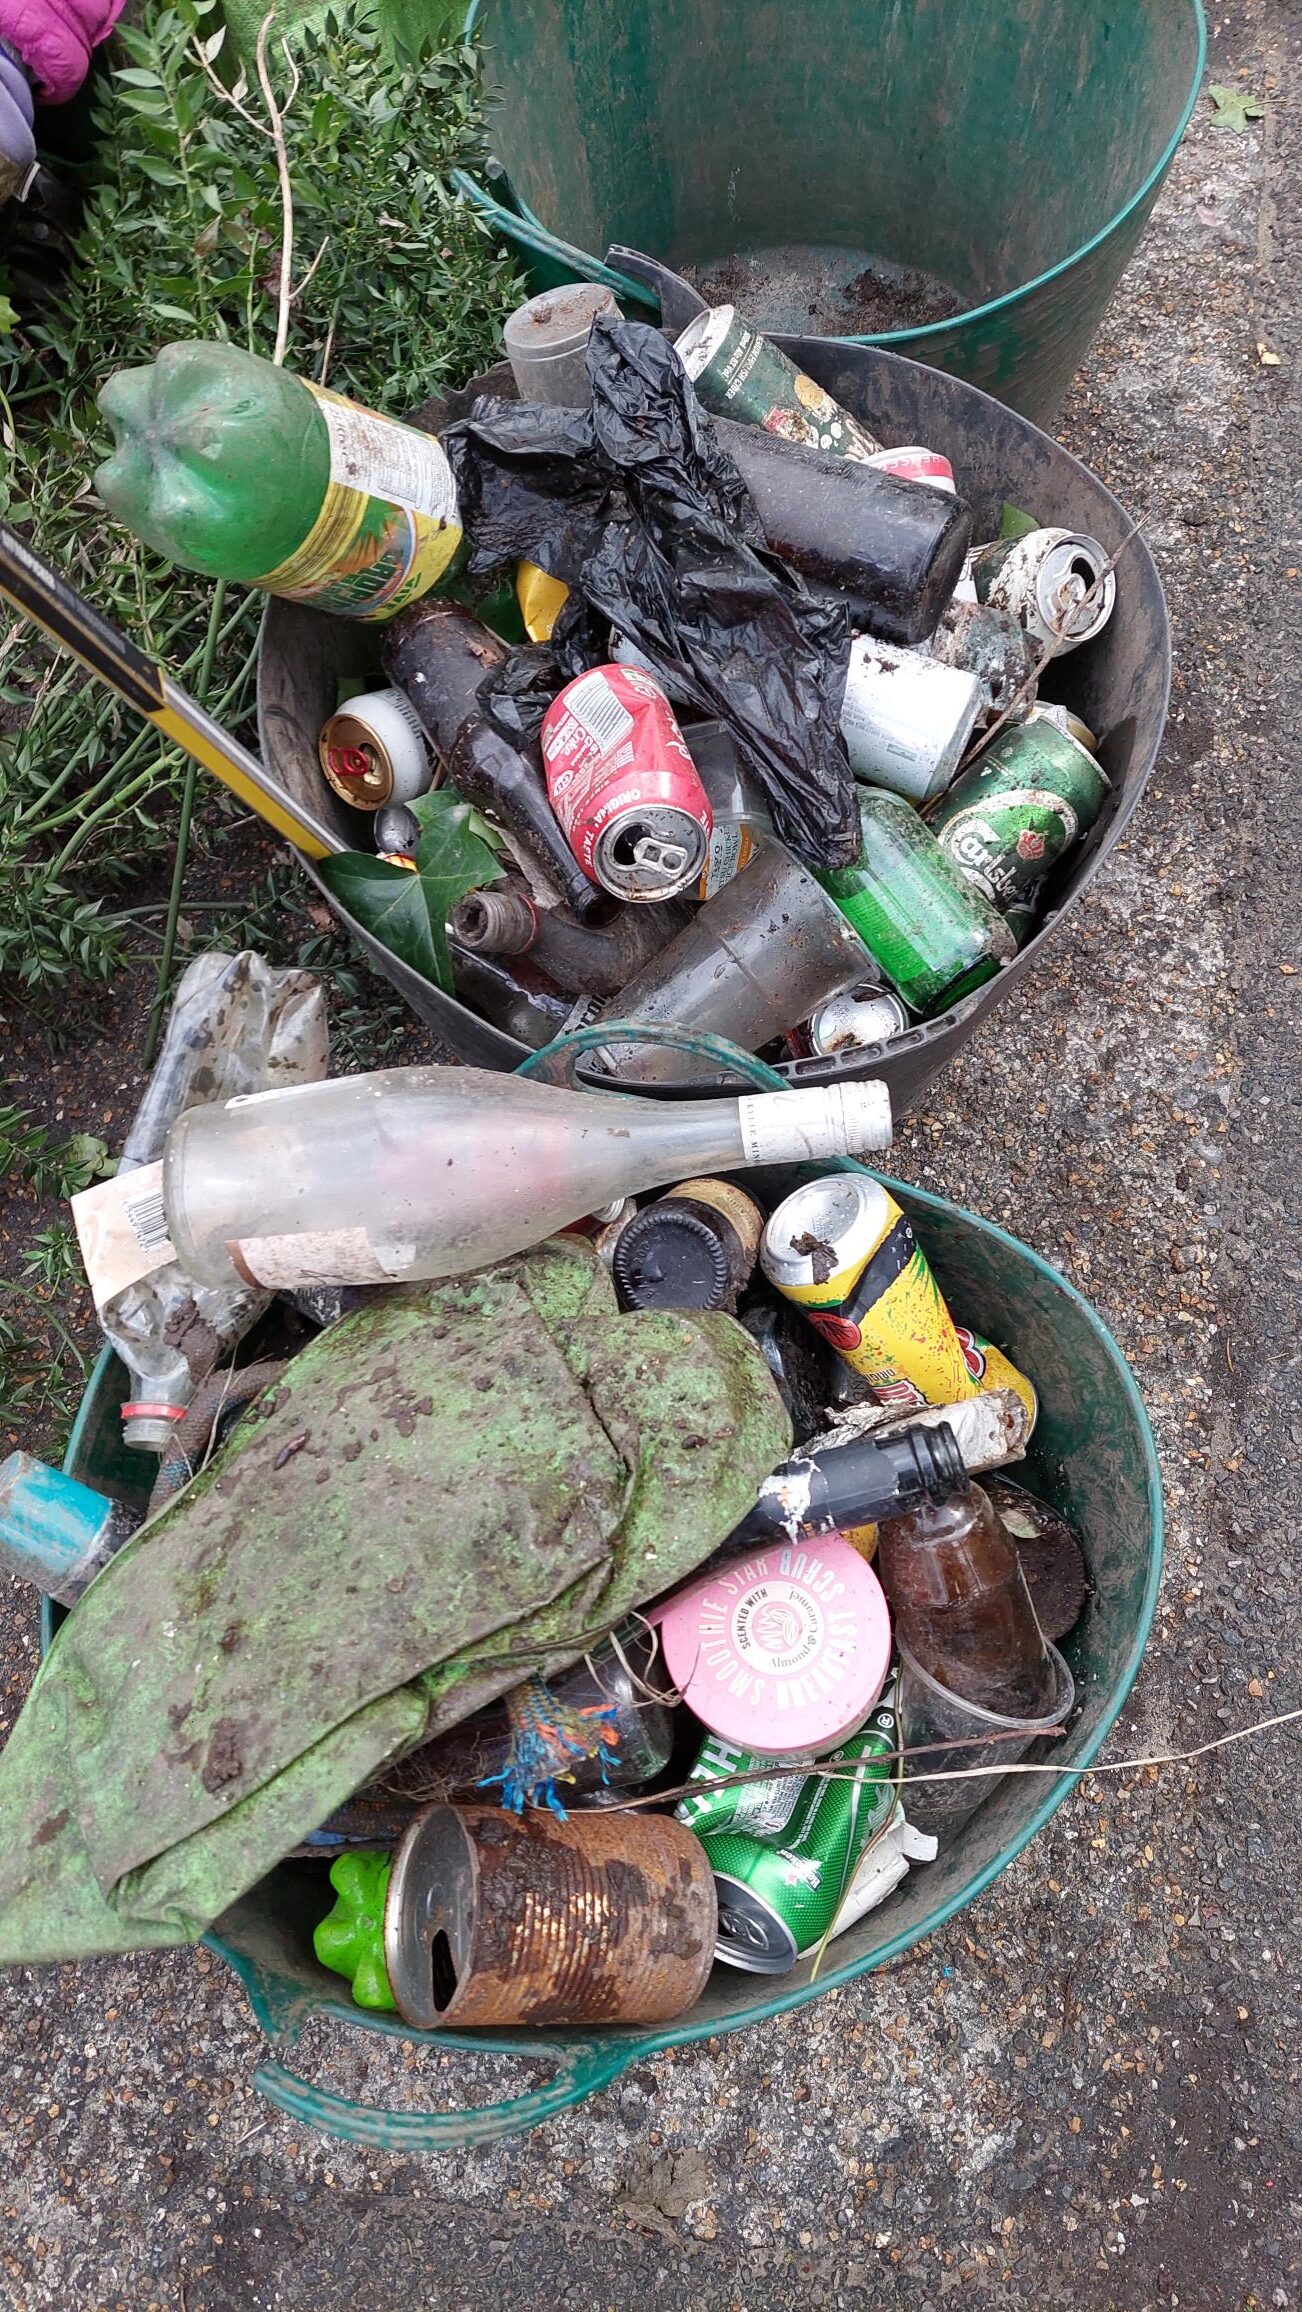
46	597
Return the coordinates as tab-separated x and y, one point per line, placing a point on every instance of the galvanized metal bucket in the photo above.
1092	1456
1120	683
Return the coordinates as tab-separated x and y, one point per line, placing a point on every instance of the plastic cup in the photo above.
928	1712
757	958
546	343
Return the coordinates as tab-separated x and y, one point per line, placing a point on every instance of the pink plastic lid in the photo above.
784	1651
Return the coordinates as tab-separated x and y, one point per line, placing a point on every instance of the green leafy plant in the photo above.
27	1153
396	291
408	912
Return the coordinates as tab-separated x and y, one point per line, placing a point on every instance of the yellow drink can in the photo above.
843	1250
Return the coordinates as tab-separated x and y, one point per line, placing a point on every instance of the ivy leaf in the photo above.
8	317
1235	107
408	913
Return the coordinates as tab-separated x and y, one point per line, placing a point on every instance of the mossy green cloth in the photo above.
459	1484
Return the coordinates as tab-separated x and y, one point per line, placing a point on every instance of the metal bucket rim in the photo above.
892	339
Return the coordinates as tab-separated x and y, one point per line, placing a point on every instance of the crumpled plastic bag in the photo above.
637	509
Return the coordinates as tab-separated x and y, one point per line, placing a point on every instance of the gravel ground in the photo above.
1085	2092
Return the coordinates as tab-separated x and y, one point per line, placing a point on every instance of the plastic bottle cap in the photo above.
783	1651
670	1259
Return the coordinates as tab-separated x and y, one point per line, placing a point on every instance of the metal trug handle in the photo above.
587	2068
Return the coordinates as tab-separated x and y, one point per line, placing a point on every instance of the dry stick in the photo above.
276	118
1050	652
832	1770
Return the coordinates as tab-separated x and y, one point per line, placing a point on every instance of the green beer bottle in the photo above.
925	924
235	468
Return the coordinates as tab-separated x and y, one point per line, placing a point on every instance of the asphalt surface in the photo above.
1084	2093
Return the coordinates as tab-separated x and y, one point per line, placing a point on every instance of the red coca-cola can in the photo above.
915	464
624	786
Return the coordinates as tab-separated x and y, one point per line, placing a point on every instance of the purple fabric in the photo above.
54	39
17	144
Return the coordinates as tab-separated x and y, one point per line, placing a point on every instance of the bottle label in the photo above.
387	529
122	1230
317	1256
732	847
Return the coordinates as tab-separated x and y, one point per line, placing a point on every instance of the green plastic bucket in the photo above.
1014	152
1092	1455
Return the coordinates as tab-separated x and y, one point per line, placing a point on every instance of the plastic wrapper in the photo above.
636	508
237	1025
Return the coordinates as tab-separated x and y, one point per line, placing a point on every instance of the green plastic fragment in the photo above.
1015	522
350	1938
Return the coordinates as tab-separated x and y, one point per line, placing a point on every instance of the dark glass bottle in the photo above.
439	653
961	1605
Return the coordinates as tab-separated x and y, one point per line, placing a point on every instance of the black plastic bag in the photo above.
637	509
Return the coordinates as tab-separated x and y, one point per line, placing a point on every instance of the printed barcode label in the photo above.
149	1221
597	711
122	1230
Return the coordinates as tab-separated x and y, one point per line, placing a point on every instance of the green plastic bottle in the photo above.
233	467
350	1938
925	924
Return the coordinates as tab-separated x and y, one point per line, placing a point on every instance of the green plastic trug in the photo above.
1013	153
350	1938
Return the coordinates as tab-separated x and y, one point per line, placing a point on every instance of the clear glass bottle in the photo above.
428	1172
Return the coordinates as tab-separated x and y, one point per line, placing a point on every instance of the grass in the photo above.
397	291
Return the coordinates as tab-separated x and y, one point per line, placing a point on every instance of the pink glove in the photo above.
54	38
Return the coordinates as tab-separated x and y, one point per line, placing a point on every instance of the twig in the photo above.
1050	652
311	269
277	120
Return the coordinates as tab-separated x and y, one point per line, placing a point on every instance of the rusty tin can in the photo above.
373	751
1044	578
494	1919
739	374
623	785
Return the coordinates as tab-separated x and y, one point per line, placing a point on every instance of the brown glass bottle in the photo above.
961	1605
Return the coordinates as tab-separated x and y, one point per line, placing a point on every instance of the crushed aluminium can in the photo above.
623	785
784	1858
857	1020
739	374
1025	800
373	751
1044	578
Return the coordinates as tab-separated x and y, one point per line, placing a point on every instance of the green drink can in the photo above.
784	1851
739	374
923	920
1027	798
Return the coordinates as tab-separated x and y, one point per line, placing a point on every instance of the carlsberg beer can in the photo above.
739	374
784	1851
1025	800
1056	582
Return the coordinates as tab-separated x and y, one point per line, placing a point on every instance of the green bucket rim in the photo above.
631	2042
899	340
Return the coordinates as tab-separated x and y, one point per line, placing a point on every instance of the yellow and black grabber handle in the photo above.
43	595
